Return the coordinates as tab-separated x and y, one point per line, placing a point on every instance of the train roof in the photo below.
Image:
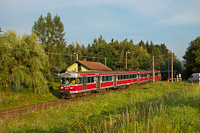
95	73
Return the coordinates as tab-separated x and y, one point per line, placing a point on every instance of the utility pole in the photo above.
49	58
126	59
0	30
153	69
105	61
168	70
76	56
172	68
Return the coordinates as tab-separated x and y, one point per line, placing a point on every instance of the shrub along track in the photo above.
44	105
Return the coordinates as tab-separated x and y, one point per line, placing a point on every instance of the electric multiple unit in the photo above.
73	83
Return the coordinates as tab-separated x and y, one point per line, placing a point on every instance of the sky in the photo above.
173	22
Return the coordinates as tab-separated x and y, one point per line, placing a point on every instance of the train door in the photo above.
84	83
139	78
114	80
98	82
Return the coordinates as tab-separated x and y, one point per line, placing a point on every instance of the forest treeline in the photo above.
139	56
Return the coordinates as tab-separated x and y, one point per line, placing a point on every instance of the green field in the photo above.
12	99
154	107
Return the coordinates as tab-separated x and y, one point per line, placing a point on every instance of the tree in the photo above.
23	61
50	32
192	57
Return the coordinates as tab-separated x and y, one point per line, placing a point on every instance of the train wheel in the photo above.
73	95
80	94
114	88
63	95
89	92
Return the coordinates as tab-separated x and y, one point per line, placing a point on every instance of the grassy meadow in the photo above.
12	99
154	107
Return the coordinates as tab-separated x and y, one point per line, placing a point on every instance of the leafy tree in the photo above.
192	57
50	32
6	61
23	61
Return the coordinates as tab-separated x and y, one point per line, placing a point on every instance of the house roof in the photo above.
94	65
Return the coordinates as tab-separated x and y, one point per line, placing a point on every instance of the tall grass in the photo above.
155	107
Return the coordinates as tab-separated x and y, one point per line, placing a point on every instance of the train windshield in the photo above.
68	81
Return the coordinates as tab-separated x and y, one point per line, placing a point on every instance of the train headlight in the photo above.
71	88
61	87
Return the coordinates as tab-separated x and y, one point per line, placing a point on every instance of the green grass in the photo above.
12	99
155	107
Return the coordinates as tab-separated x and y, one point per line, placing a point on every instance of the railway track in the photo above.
19	110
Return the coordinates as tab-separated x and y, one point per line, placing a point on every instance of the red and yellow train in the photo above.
74	83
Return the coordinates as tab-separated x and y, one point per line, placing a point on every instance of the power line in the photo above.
15	26
53	53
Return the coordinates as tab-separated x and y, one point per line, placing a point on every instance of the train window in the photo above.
106	78
63	80
90	79
120	77
151	74
72	81
133	76
79	81
103	78
110	78
68	80
156	74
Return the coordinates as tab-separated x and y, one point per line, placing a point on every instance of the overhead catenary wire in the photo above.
15	26
55	53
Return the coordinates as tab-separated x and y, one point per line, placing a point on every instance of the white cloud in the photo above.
167	11
187	13
181	19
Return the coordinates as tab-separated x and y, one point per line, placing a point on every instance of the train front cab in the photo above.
69	85
73	84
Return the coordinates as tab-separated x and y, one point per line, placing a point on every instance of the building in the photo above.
82	66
